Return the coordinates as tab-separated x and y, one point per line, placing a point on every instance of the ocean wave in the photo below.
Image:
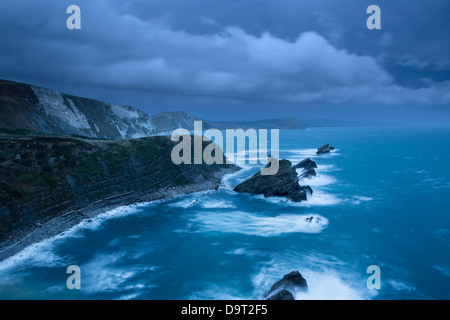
327	277
38	255
229	181
42	254
101	274
186	203
216	292
320	180
327	168
300	154
245	252
319	198
257	225
359	199
400	285
217	204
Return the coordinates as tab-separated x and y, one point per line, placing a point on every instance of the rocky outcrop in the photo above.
308	166
324	149
286	287
284	183
281	295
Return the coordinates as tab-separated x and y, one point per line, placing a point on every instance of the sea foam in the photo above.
42	254
259	225
327	277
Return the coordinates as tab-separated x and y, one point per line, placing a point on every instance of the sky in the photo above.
239	59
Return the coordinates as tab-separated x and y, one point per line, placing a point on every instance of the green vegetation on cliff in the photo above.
43	176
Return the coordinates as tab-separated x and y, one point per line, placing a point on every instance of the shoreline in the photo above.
65	221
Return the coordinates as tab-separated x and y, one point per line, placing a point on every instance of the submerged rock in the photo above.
324	149
284	183
290	283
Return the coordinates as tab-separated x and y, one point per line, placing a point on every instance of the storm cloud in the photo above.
263	58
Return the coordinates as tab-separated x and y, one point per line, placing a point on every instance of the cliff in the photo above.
28	107
42	177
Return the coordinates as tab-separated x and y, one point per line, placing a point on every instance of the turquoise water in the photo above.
383	198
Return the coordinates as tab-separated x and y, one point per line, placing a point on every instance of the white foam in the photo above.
239	175
95	223
401	286
264	226
101	274
129	296
359	199
38	254
186	203
41	254
327	168
445	270
244	252
317	199
216	292
218	204
302	153
297	155
327	277
320	198
319	180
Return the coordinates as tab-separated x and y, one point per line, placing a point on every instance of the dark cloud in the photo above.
229	58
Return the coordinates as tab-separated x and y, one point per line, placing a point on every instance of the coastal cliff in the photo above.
27	107
44	177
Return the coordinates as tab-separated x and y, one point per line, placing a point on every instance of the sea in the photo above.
381	198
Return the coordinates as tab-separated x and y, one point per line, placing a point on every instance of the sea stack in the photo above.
324	149
284	183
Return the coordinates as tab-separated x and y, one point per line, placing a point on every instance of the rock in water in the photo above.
324	149
291	282
308	173
284	183
306	164
281	295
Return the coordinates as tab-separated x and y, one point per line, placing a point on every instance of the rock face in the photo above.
284	183
169	121
283	289
308	166
28	107
324	149
56	175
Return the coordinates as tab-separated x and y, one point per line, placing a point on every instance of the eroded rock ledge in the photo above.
284	183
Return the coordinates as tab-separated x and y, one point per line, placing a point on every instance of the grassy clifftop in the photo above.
45	176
